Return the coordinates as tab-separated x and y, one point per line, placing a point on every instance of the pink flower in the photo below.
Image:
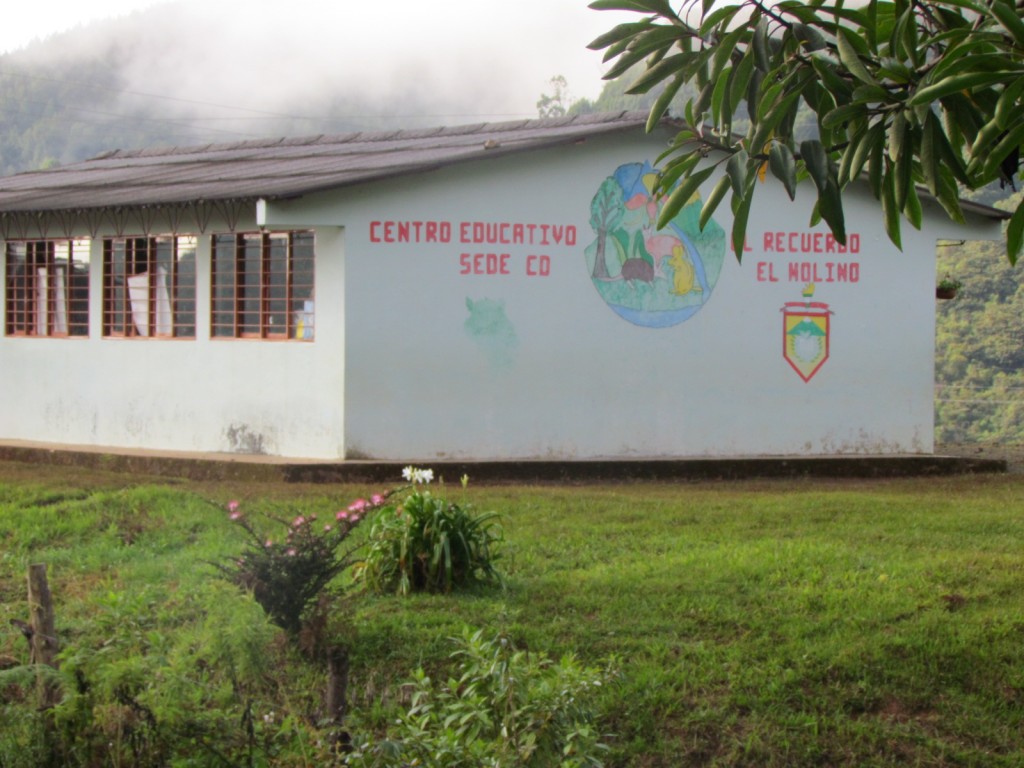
298	521
291	552
233	507
354	519
342	515
327	528
357	506
377	499
235	515
268	543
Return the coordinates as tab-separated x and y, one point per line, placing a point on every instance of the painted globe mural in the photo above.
651	277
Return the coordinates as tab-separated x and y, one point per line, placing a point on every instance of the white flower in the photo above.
417	475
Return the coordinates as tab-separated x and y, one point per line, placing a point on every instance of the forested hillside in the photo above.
979	354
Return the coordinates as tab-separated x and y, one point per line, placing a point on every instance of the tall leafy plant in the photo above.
429	544
505	707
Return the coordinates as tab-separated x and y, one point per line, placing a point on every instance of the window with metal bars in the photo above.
47	288
149	287
262	286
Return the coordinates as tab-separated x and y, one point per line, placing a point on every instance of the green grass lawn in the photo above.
759	623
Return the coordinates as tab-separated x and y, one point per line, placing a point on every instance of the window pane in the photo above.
18	289
223	287
302	285
277	288
78	288
185	288
115	305
250	278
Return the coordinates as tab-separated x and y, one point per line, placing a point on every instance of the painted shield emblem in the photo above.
805	336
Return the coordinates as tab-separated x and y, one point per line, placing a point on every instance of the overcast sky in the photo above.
520	43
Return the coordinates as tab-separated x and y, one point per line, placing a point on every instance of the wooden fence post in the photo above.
43	640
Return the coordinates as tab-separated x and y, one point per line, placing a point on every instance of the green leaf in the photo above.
956	83
890	211
679	167
618	34
681	195
1007	109
816	160
912	208
826	71
723	52
1009	16
720	106
1010	142
930	154
875	137
741	213
949	196
712	200
851	60
897	133
660	7
843	114
783	167
719	17
811	38
663	101
737	170
983	141
1015	234
625	62
667	67
904	166
857	137
760	45
830	207
739	78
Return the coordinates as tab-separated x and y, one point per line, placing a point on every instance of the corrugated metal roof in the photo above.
292	167
281	168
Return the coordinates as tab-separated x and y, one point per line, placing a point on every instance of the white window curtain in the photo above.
138	295
48	285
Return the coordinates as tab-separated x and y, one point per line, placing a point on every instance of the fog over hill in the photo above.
190	72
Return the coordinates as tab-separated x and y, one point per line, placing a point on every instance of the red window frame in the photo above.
149	287
262	286
54	272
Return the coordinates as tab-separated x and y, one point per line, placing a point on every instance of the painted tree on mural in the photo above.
605	216
904	92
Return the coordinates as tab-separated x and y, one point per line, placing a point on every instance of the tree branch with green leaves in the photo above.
914	97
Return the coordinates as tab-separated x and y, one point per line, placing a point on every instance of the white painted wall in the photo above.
401	369
232	396
576	380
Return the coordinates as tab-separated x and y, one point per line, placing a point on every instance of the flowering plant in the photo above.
287	575
426	543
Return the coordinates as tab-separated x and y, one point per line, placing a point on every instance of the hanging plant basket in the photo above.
947	288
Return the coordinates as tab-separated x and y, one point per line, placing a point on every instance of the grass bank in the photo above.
783	623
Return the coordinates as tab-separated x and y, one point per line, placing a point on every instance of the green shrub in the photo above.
507	707
428	544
